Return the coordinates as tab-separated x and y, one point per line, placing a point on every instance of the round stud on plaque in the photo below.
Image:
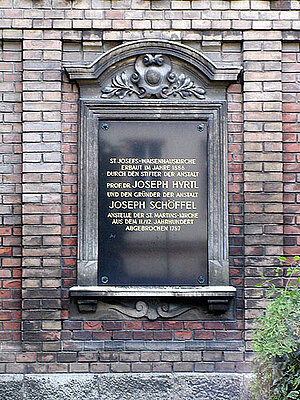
104	279
104	126
200	127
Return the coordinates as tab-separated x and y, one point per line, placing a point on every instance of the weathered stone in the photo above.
60	387
11	387
127	386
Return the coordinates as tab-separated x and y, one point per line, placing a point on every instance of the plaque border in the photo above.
212	111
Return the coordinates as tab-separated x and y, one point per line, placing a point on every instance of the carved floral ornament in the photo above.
153	77
150	309
153	309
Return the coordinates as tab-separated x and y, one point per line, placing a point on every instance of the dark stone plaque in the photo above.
152	203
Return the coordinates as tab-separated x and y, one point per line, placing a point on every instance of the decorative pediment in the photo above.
153	76
154	58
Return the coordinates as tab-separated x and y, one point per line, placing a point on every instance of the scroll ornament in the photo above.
153	77
150	309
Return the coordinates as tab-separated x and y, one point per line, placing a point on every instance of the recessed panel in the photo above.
152	203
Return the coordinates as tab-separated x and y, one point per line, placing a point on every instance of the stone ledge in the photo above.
192	386
158	291
152	302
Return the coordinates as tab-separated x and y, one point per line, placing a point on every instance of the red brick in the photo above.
112	325
92	325
193	325
5	315
121	335
213	325
228	335
153	325
102	335
142	335
12	283
5	231
5	294
203	335
163	335
26	357
5	251
183	335
14	326
133	325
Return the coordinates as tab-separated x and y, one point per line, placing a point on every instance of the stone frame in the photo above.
211	111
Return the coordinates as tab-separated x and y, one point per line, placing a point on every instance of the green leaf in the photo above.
294	395
281	258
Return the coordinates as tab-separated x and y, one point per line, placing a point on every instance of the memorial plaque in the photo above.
152	203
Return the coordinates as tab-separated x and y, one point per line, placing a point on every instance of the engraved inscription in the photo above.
170	193
153	203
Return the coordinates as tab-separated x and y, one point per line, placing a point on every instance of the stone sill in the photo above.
216	298
157	291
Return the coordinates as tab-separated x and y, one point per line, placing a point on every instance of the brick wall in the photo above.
41	297
10	197
40	105
291	146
